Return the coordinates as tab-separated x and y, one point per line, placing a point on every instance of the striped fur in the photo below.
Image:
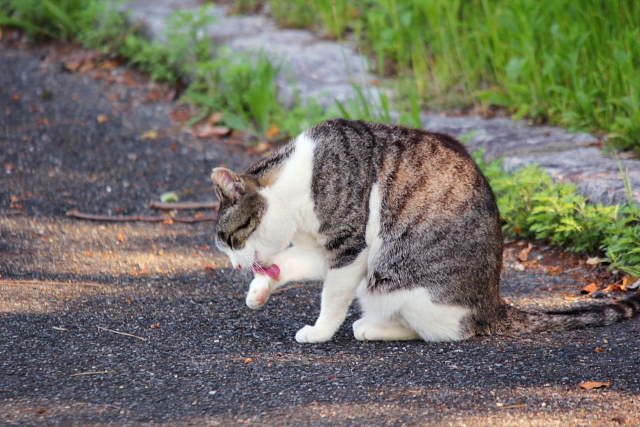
401	217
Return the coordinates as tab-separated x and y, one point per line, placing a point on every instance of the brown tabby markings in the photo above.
439	227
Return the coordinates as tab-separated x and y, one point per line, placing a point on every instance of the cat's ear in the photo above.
228	184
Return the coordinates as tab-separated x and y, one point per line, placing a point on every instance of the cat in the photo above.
401	218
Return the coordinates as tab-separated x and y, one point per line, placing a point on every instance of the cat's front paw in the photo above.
259	292
311	334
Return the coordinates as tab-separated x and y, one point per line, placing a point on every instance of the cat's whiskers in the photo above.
252	262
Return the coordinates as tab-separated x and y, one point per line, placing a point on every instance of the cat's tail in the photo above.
516	321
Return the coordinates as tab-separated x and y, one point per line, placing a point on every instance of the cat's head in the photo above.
242	208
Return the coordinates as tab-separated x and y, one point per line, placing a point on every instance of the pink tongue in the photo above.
273	271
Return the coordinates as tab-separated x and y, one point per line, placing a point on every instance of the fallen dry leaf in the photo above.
15	97
523	255
630	282
260	148
590	288
102	118
155	326
150	134
590	385
73	65
273	131
599	350
108	65
122	238
248	360
215	118
614	288
554	271
209	267
595	260
207	130
87	65
182	114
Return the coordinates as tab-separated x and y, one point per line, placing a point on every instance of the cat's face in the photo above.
241	210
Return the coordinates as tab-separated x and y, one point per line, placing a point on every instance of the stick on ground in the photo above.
92	217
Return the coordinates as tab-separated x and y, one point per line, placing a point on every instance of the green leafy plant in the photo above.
533	206
566	62
185	44
43	18
294	14
241	87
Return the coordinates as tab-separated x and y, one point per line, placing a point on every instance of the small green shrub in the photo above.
171	61
57	19
294	14
533	206
243	88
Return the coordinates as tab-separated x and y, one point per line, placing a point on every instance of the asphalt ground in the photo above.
103	140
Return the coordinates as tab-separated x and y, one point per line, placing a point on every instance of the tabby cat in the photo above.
401	218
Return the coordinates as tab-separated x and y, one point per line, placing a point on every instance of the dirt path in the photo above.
194	354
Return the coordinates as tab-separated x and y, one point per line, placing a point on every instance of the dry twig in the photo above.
80	215
46	283
121	333
94	373
183	205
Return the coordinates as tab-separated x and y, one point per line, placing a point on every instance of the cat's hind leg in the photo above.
408	314
364	329
380	318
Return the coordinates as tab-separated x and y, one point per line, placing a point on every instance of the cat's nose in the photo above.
238	267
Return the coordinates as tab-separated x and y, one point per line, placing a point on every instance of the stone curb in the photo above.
325	71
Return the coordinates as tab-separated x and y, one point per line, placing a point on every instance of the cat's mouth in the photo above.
272	271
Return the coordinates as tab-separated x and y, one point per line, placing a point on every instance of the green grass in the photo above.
571	63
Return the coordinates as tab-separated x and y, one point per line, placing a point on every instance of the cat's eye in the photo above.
246	224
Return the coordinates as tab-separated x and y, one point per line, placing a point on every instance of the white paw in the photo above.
313	334
360	327
259	292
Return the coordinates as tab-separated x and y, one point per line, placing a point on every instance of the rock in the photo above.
502	136
320	70
598	176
